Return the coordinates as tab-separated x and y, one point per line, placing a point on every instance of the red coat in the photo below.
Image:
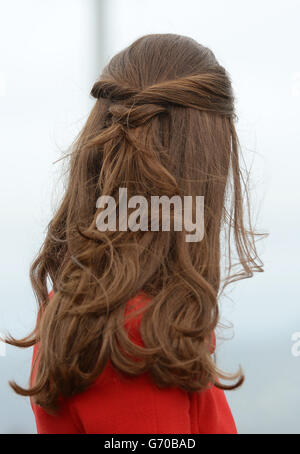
115	405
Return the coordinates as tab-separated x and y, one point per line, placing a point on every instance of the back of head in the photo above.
162	125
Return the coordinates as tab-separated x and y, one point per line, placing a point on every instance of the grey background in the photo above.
51	52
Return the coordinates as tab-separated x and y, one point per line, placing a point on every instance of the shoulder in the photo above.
133	315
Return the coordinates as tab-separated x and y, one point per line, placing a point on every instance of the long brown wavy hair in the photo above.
162	124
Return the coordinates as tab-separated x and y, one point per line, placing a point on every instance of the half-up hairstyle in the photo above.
162	124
